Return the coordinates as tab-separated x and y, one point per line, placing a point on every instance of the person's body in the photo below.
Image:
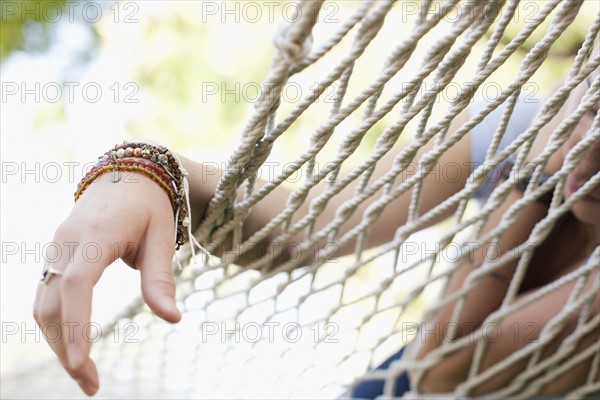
105	214
579	230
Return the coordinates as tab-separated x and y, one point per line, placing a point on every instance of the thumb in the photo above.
154	262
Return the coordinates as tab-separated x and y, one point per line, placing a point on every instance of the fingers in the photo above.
55	331
76	286
47	315
75	291
154	262
65	300
87	377
63	331
47	305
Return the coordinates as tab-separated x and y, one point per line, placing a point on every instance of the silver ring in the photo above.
47	274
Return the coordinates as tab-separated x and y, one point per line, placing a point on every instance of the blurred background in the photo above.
79	76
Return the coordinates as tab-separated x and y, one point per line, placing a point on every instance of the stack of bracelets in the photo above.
157	163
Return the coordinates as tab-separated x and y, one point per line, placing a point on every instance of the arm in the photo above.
204	178
134	216
483	299
106	215
517	330
142	231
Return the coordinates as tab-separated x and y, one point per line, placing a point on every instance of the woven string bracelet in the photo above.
159	164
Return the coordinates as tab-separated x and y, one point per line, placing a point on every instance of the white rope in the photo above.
202	287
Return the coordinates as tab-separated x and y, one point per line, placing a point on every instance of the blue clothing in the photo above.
374	388
482	134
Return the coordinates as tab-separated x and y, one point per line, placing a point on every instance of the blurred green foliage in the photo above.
31	25
567	44
198	77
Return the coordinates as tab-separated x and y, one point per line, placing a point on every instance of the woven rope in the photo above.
284	290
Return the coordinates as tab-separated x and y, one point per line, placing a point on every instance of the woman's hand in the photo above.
131	219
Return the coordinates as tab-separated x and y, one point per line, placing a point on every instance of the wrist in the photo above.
158	164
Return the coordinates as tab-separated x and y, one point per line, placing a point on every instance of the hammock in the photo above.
287	327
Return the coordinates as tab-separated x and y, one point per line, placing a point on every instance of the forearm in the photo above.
203	180
205	177
523	327
481	300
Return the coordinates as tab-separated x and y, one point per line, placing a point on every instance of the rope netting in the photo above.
298	319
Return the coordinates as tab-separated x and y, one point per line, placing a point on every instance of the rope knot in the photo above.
294	38
292	49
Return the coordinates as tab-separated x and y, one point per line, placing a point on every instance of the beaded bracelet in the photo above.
94	174
155	153
161	166
157	171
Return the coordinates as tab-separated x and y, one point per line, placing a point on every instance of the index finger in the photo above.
77	284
